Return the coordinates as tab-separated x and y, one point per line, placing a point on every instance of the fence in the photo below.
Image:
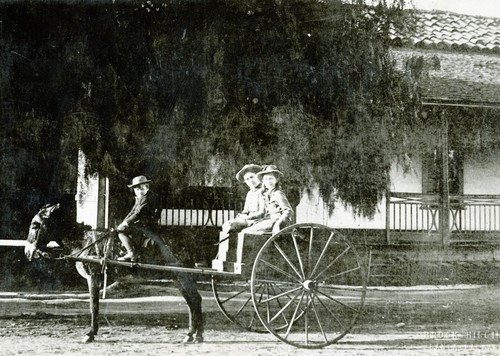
200	206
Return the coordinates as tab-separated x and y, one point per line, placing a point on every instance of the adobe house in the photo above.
444	201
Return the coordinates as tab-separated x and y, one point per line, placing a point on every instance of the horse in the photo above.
99	244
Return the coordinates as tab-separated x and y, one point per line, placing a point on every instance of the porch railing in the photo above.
413	212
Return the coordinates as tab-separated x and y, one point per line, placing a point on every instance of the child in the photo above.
141	222
279	212
254	204
142	217
253	210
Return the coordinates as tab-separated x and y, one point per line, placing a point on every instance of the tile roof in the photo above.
447	30
460	57
449	76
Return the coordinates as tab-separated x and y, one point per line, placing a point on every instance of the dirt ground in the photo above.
452	320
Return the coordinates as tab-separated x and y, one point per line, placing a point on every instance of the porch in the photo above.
424	218
411	218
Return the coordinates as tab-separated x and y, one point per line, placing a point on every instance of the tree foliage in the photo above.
189	91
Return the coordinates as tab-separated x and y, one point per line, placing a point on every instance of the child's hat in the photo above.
269	169
138	181
247	168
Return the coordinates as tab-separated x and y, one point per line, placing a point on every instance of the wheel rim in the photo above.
235	301
308	285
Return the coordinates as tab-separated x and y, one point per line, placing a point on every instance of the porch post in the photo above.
444	219
388	216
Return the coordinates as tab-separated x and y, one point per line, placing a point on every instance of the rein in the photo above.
77	253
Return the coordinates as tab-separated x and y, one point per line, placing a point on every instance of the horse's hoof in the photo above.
189	339
87	339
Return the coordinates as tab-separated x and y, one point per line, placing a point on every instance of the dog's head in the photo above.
38	236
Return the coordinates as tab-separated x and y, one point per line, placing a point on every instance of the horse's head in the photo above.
38	236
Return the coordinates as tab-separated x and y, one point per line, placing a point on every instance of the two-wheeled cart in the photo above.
306	284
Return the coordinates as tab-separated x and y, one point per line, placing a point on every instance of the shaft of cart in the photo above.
166	268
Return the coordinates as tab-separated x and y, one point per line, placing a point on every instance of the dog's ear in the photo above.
48	209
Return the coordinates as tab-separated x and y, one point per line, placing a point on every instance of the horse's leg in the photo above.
94	282
189	290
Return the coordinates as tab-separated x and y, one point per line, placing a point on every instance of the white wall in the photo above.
312	208
482	174
409	182
89	195
87	202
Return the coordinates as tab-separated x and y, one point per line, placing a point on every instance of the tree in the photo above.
187	92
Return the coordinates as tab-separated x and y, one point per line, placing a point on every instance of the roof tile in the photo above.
437	28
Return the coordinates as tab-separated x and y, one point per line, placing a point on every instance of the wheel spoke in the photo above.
348	271
298	257
268	309
320	258
317	317
306	321
232	296
275	281
281	295
332	263
282	309
279	302
277	269
294	317
243	306
288	296
331	313
287	260
310	257
339	302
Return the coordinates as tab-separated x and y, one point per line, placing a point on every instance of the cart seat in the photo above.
239	250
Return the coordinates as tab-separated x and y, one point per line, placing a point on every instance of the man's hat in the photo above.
269	169
138	181
247	168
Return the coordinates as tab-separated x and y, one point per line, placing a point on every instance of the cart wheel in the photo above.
235	301
308	285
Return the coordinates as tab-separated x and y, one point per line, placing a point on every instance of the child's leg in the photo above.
228	237
125	240
261	226
234	225
130	256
